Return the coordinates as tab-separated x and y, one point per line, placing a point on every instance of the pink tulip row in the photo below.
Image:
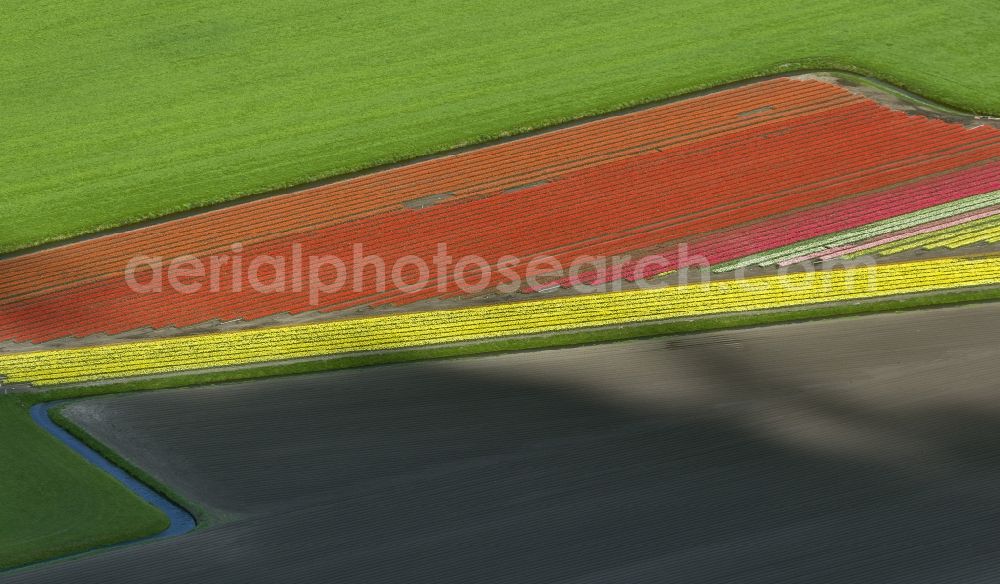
800	225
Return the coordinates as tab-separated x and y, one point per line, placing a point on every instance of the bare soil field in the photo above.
861	449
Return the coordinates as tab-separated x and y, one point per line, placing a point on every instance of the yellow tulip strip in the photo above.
399	331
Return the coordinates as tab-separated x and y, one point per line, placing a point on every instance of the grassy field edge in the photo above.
858	74
200	513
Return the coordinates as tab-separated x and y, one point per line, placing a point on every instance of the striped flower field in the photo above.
762	176
759	175
417	329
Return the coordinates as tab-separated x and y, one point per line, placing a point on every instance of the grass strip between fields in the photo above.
201	514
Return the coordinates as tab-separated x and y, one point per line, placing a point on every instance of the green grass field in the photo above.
117	112
55	503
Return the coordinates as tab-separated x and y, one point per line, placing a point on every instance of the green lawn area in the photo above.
54	502
121	111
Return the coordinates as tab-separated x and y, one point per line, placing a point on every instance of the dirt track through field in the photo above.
857	450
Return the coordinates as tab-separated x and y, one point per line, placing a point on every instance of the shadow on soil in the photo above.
705	462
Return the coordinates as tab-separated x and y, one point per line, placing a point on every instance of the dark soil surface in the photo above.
856	450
